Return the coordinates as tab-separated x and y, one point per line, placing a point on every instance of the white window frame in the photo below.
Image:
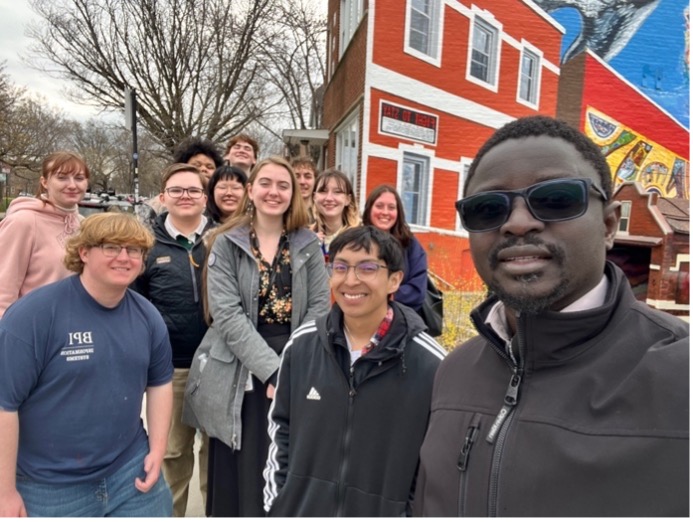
529	50
350	14
464	172
347	146
425	161
495	30
435	35
624	221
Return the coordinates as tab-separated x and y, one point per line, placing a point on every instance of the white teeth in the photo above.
523	258
353	296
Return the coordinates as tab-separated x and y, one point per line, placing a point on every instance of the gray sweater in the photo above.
232	346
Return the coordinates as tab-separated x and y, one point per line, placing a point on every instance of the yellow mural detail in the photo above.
634	157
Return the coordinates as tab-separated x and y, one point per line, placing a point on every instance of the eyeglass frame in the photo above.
138	255
183	191
331	273
510	195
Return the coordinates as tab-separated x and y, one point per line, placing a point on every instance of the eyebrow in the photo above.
369	260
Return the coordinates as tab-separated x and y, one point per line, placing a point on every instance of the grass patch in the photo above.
457	326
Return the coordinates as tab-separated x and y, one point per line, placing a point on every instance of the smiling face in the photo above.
241	154
184	207
65	189
363	299
384	212
532	265
331	199
227	195
204	164
109	274
271	190
306	181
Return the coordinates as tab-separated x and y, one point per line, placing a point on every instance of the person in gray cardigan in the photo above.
265	276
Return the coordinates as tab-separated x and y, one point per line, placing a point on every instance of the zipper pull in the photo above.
469	440
352	391
509	402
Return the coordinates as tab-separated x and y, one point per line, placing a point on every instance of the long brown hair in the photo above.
295	217
350	214
400	229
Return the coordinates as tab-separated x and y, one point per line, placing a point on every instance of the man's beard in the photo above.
526	301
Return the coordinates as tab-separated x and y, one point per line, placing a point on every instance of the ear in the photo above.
612	217
161	198
393	281
42	180
83	251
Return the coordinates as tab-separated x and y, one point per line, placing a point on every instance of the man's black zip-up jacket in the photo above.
346	439
589	416
172	281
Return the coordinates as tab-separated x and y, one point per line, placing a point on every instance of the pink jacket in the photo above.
32	240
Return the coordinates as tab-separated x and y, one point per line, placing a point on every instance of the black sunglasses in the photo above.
553	200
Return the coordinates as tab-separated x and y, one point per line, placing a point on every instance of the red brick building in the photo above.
414	88
653	247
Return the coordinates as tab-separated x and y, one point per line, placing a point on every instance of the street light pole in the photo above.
131	123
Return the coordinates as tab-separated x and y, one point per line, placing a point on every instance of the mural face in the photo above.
646	41
632	157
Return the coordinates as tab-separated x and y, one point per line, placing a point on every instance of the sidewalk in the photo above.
195	506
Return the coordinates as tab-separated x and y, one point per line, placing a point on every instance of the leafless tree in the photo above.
31	129
294	62
193	63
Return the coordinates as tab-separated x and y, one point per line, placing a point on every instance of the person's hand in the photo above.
270	391
152	468
11	504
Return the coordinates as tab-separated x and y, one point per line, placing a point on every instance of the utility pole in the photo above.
131	123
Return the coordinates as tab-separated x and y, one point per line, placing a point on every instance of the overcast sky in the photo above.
14	16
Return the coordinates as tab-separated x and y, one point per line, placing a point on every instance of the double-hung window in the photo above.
484	53
414	188
423	29
350	14
347	141
530	74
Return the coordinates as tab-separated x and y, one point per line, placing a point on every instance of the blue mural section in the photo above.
646	41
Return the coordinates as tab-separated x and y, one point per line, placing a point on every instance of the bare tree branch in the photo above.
193	63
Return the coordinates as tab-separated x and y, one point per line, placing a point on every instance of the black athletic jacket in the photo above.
172	281
345	440
591	420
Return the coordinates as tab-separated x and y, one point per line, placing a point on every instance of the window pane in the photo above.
482	45
414	182
422	6
529	77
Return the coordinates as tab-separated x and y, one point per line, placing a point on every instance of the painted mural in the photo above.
633	157
646	41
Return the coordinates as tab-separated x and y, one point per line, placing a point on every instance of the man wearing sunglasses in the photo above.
573	399
353	393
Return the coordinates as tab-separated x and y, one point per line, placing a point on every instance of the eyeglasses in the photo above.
548	201
113	250
177	192
364	271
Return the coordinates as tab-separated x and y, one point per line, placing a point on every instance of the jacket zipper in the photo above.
499	429
194	281
463	462
345	446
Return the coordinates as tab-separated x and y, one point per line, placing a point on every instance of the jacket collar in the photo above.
298	239
405	324
552	338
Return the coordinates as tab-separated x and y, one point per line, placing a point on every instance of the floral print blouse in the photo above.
275	282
